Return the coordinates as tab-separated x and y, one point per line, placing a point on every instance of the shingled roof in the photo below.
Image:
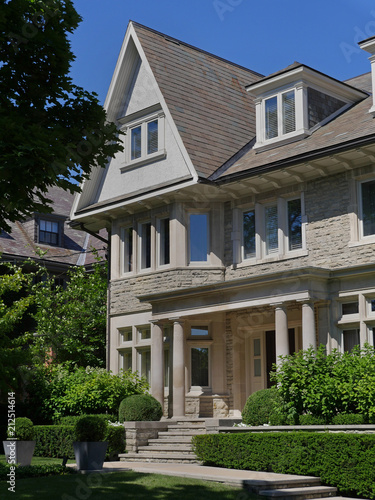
206	96
348	129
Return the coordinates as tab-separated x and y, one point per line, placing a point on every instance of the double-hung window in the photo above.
48	232
127	238
145	245
280	115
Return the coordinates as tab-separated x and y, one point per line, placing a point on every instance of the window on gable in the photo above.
152	137
368	207
136	143
48	232
144	140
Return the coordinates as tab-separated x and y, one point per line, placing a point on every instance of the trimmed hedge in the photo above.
346	461
91	428
56	441
72	419
35	471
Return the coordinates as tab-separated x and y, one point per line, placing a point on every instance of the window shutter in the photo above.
289	113
152	137
271	118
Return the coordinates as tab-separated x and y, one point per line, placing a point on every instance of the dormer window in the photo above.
48	232
293	103
280	115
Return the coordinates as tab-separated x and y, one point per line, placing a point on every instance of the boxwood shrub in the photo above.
260	405
346	461
140	407
90	428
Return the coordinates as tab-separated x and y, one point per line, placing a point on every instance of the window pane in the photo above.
350	308
136	143
126	360
144	333
48	232
289	115
351	339
271	118
249	234
199	366
128	248
145	359
127	335
164	242
294	224
373	305
166	368
368	207
257	367
152	137
199	331
257	347
146	246
272	240
198	237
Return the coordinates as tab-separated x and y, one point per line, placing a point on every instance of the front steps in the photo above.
302	488
171	446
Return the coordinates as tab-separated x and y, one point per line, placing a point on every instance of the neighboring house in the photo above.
63	246
242	219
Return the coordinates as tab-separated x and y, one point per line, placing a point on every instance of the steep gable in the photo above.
206	96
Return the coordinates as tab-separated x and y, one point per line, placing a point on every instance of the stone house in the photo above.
241	217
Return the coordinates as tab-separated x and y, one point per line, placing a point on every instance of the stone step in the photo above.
300	493
159	458
187	426
171	439
284	482
165	447
187	432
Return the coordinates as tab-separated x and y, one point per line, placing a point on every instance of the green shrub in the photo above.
346	461
309	419
348	419
58	391
90	428
24	429
54	441
72	419
325	385
259	406
116	441
35	471
140	407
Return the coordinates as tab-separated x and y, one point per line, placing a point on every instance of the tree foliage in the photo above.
71	320
52	132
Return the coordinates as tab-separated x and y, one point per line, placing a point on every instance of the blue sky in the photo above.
264	36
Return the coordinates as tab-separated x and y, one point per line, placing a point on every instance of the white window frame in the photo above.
371	237
123	250
159	241
203	344
283	251
145	157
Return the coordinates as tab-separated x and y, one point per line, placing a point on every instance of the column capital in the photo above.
278	305
177	320
308	300
156	322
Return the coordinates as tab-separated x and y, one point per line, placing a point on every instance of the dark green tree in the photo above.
52	132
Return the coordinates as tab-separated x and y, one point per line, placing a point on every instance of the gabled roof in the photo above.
206	97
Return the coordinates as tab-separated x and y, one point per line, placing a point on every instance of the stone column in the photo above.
157	362
308	325
178	369
281	331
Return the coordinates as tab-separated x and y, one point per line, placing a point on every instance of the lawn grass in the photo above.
41	461
120	486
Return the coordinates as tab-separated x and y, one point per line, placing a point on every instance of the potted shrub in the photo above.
90	448
19	447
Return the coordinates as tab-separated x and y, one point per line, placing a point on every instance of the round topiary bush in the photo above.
140	407
259	406
24	429
90	428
